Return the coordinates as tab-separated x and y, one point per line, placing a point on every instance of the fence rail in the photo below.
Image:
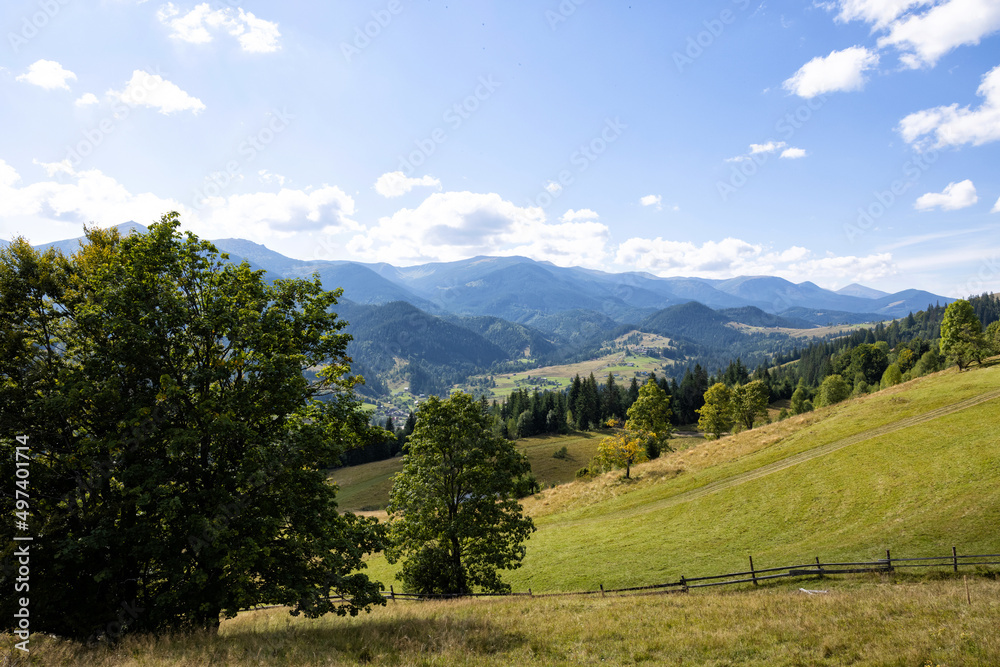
753	575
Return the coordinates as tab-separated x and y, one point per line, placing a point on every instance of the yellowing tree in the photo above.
649	418
624	448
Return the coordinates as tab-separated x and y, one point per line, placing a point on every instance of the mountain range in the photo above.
443	321
520	289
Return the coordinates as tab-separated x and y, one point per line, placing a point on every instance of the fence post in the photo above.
954	557
818	565
529	593
753	574
392	594
684	584
602	590
888	560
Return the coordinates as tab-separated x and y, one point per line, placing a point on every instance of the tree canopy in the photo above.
178	443
716	416
834	389
962	339
749	403
454	520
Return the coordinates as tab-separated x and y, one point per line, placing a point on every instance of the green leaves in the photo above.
716	416
183	446
962	339
454	521
749	403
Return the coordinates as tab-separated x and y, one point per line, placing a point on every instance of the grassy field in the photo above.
561	376
366	487
859	621
913	468
917	490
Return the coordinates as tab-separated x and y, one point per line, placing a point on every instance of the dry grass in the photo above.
858	622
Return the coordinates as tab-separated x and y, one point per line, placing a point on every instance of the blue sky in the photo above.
841	141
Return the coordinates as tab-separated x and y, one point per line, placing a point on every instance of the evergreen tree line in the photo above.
859	360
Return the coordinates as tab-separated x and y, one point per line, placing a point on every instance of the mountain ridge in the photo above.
519	289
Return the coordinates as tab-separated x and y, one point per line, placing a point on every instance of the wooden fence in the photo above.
753	575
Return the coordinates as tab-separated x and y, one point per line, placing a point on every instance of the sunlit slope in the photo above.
366	487
915	469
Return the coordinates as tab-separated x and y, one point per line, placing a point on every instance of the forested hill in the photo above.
756	317
516	340
435	351
695	322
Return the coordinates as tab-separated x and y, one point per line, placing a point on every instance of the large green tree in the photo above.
454	519
749	403
962	339
169	399
834	389
651	414
716	416
992	336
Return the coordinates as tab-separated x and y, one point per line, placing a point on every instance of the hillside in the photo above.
430	347
912	469
695	322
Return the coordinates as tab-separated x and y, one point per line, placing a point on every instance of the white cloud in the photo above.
93	197
955	196
152	90
733	257
764	150
47	74
582	214
86	100
553	187
841	269
793	153
924	38
259	215
448	226
996	207
652	200
952	126
396	183
769	147
89	197
567	244
880	13
839	71
8	175
196	26
266	176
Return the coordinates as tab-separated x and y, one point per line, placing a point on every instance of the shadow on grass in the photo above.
365	640
271	639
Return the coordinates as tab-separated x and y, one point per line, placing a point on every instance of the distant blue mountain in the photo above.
526	291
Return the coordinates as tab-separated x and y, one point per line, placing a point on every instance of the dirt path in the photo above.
816	452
